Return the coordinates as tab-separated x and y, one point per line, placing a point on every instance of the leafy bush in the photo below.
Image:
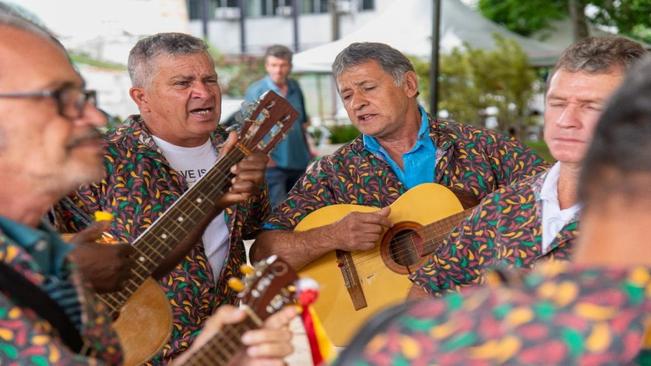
473	79
343	134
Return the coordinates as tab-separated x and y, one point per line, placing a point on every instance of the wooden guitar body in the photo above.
150	309
354	286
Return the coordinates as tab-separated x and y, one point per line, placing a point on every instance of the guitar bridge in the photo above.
351	279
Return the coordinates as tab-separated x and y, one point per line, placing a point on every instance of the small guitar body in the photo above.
355	285
150	309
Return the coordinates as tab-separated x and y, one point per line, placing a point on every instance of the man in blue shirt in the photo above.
290	158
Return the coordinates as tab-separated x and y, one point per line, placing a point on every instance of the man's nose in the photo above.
570	117
92	116
201	90
357	101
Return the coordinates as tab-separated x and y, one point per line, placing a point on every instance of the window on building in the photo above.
195	8
260	8
366	5
314	6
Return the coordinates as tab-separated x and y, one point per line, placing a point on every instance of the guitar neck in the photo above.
434	233
174	225
222	347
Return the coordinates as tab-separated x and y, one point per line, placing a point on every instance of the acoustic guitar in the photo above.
355	285
269	288
142	311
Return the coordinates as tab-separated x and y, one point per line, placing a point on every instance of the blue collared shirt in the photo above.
42	243
292	152
419	162
49	253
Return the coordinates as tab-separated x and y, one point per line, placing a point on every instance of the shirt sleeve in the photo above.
310	193
252	93
511	161
26	341
85	200
463	257
256	211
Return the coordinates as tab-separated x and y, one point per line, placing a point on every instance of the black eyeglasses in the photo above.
70	100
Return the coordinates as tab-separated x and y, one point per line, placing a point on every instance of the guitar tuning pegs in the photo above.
235	284
247	270
245	111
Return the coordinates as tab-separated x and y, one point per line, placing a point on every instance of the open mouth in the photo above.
202	112
365	117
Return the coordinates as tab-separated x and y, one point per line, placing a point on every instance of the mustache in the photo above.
92	134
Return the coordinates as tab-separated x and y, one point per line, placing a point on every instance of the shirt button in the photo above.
41	245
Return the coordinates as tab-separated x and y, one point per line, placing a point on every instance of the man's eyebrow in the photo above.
181	76
581	100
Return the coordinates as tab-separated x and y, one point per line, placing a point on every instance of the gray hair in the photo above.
13	18
148	48
391	60
279	51
598	55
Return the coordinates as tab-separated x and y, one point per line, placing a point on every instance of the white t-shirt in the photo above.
553	218
193	163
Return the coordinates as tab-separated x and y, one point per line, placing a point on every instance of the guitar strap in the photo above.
27	294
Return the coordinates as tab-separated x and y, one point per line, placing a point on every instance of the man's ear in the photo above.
139	97
410	84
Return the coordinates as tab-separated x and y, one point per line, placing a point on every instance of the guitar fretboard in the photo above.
434	233
173	226
221	348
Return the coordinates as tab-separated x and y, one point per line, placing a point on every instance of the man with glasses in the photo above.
49	145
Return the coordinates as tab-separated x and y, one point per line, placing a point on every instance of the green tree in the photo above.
630	17
473	79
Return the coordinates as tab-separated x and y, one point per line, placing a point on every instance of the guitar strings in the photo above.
404	244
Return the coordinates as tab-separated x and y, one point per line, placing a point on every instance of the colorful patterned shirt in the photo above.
556	315
505	229
27	339
475	160
138	188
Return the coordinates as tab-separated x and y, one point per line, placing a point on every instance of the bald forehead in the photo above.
32	58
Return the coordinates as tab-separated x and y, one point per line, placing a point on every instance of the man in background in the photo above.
291	156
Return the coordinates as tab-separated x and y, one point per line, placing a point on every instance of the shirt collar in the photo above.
372	145
271	85
42	243
549	189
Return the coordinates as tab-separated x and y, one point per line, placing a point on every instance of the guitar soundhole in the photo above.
403	248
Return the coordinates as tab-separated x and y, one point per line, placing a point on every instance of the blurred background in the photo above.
494	54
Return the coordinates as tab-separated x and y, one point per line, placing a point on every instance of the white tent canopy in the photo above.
407	26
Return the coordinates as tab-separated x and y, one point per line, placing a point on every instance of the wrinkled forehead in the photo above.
31	62
196	63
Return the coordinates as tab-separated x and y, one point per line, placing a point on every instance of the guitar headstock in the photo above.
268	286
266	121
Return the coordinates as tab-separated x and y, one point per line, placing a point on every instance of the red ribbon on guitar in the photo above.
321	347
